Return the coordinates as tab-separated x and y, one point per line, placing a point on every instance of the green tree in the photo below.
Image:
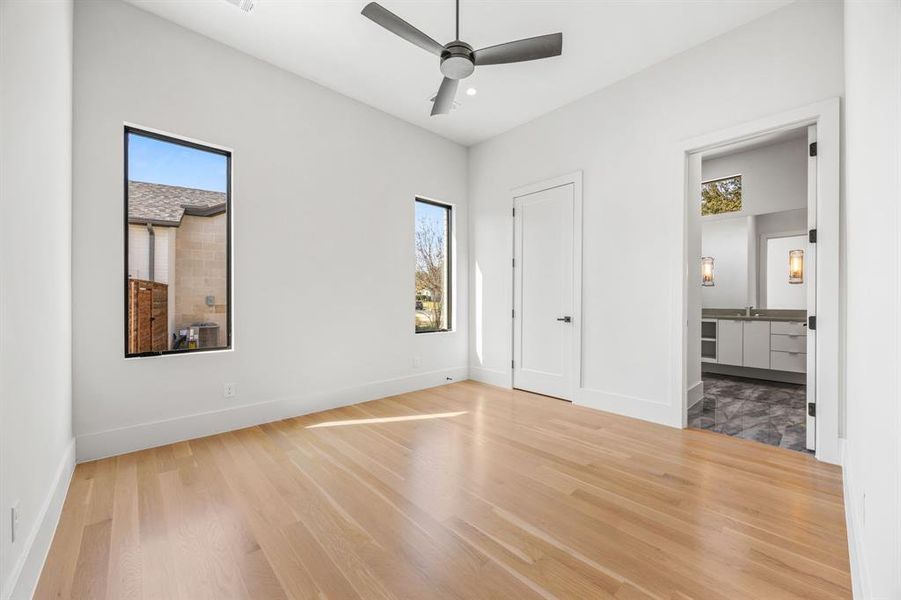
431	270
721	196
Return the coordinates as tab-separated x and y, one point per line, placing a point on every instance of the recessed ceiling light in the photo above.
471	92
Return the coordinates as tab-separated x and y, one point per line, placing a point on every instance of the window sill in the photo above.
170	353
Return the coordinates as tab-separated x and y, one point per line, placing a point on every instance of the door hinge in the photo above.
513	313
812	323
512	365
514	212
813	149
513	263
812	236
812	409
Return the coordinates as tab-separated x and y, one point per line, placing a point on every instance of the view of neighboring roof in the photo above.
165	205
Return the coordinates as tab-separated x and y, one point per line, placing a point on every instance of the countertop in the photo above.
788	316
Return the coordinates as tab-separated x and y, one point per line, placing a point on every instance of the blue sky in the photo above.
156	161
431	212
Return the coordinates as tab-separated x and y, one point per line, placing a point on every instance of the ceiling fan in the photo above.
458	59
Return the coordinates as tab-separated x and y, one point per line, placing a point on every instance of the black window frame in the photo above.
129	130
450	261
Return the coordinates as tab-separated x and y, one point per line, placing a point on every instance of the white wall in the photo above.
873	273
727	241
139	252
321	318
36	443
623	139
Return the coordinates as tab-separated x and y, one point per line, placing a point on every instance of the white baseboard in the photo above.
860	577
695	393
628	406
113	442
491	376
24	577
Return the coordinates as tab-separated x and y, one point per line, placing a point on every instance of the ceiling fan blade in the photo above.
398	26
444	101
543	46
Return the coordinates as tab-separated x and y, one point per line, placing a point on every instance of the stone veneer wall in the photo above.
200	271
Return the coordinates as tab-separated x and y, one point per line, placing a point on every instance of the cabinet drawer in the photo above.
795	362
788	343
784	328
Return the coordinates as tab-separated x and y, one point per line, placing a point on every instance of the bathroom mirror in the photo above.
783	280
758	260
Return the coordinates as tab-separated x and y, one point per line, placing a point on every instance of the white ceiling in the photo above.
329	42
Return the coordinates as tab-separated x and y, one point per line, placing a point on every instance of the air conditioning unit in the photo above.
207	334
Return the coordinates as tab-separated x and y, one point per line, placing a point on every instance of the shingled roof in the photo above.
165	205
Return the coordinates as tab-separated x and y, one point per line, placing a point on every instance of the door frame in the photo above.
574	179
825	115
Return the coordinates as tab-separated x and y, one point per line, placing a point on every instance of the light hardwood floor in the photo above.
460	491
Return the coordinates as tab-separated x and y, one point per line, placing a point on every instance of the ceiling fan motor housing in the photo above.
457	61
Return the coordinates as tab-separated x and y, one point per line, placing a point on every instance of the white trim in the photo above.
493	377
24	577
646	409
695	394
113	442
575	179
825	115
860	576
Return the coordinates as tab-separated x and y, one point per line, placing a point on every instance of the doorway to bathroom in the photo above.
755	280
753	351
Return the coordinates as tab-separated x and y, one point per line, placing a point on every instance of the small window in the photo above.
177	246
433	266
721	195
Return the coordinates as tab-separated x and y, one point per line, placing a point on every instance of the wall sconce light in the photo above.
796	266
707	271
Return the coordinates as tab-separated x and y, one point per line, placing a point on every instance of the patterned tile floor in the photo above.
754	409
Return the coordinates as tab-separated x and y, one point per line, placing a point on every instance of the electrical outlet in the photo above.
229	390
14	522
416	362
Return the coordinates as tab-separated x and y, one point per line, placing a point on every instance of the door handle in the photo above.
565	319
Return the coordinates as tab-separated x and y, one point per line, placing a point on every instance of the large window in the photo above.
721	195
177	245
433	266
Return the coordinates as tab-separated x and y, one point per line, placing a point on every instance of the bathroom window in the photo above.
432	242
721	195
177	245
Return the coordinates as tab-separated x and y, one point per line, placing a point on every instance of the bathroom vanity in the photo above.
774	340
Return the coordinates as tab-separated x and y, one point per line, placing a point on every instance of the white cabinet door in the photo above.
728	342
756	344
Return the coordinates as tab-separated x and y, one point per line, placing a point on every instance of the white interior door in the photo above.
543	298
810	276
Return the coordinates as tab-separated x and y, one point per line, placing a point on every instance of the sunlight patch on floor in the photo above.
387	419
